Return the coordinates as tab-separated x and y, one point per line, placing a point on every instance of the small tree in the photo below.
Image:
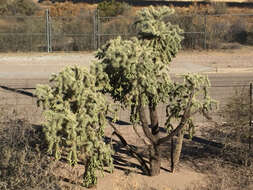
138	75
75	111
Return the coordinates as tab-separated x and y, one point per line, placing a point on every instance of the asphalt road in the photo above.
222	84
217	80
222	87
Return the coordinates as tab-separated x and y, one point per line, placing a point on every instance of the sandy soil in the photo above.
127	176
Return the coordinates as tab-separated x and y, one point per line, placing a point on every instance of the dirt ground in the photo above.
128	176
42	65
19	69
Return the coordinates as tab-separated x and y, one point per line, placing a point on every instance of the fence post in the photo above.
48	31
250	116
205	26
98	28
94	29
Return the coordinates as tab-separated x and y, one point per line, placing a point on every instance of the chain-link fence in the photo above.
90	31
22	34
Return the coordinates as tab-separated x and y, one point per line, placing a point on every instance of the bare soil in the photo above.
127	174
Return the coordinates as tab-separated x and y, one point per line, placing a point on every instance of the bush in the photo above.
18	7
238	32
22	162
112	8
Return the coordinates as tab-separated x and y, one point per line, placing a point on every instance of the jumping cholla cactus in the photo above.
138	74
155	32
179	96
75	111
132	74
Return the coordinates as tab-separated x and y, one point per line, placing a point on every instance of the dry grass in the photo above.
231	167
23	163
224	176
